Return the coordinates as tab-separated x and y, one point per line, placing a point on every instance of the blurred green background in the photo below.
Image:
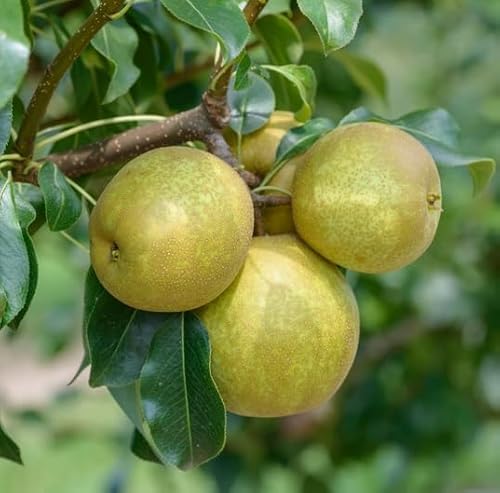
420	412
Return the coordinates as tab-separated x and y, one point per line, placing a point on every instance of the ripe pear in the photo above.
367	197
278	219
285	333
171	230
258	149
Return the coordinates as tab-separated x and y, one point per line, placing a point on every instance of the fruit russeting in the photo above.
367	197
258	149
171	230
285	333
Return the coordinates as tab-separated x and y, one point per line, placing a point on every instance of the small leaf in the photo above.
438	132
368	76
33	280
62	205
8	448
29	202
118	42
5	125
336	21
141	448
303	79
251	107
280	38
222	18
241	76
297	140
14	259
183	411
14	49
118	336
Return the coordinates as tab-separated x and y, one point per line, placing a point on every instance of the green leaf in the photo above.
241	76
277	7
183	411
439	133
14	49
336	21
303	79
252	106
5	125
297	140
222	18
29	202
368	76
118	336
141	448
175	403
62	205
280	38
118	42
14	259
33	280
8	448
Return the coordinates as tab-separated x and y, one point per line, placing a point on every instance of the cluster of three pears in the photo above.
171	232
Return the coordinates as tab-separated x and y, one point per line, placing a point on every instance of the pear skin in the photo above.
367	197
279	219
171	230
285	333
258	149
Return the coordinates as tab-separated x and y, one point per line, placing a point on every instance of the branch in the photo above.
179	128
56	70
203	122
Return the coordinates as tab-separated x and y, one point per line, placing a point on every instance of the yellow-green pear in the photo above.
171	230
258	149
367	196
285	333
278	219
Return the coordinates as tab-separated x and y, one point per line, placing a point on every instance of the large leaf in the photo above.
438	131
14	258
5	124
14	49
366	74
118	336
118	42
177	387
280	38
303	80
62	204
252	106
336	21
175	403
8	448
222	18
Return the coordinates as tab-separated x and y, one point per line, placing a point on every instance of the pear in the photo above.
367	197
285	333
279	219
171	230
258	149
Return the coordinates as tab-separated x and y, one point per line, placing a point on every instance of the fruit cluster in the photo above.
172	231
